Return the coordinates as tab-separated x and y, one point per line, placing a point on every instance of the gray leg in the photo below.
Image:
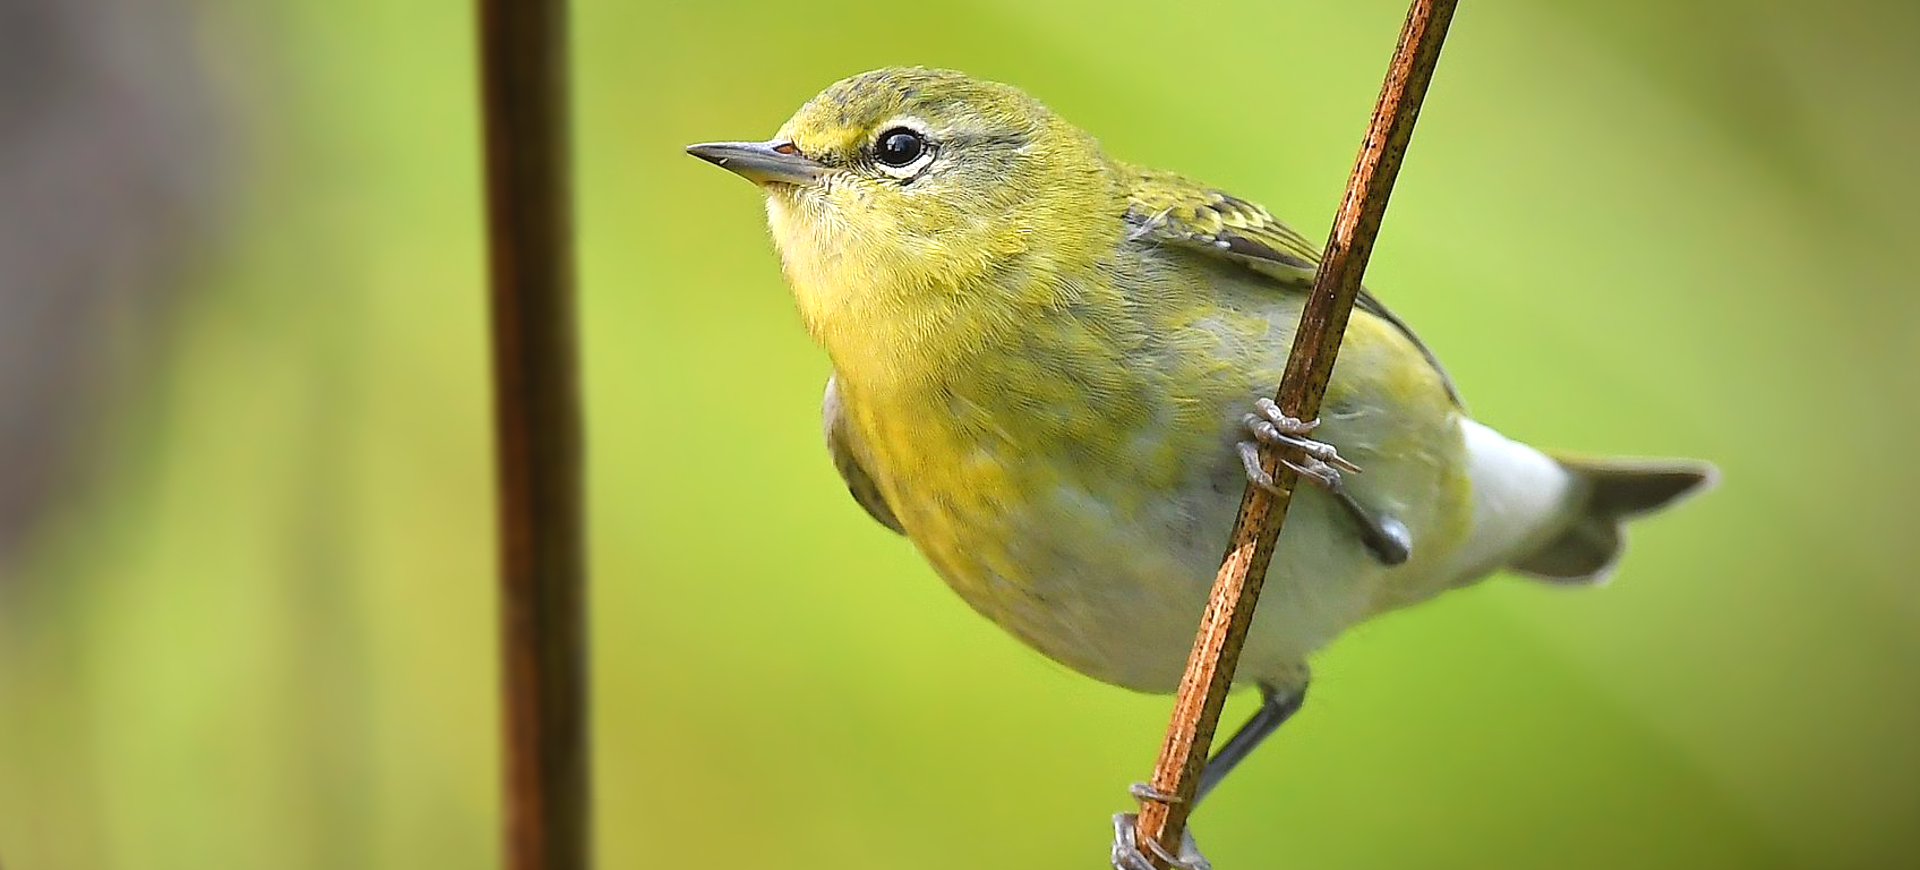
1275	709
1385	536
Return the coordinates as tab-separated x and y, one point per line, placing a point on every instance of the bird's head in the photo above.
911	193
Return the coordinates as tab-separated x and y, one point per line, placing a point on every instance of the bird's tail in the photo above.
1615	490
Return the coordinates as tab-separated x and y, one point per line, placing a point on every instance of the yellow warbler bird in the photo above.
1047	370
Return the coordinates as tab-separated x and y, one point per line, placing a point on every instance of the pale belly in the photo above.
1077	486
1097	570
1122	602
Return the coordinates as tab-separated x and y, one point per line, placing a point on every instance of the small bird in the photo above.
1047	371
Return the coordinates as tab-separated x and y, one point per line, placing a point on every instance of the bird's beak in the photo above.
774	162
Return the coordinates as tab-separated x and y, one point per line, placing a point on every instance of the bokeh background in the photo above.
246	616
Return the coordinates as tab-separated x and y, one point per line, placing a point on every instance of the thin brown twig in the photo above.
1323	322
537	430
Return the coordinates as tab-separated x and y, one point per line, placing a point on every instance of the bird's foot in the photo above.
1127	854
1320	464
1269	425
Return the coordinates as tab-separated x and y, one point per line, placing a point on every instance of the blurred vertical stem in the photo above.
538	434
1323	322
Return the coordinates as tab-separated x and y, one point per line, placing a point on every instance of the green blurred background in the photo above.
256	630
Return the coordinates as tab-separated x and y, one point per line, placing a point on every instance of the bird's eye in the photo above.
899	147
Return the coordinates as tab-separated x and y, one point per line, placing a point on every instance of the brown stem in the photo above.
537	431
1223	626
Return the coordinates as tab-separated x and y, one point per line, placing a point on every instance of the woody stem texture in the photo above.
1236	588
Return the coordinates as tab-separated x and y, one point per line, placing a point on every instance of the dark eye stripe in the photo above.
1010	141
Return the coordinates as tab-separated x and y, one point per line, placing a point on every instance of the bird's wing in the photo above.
1164	208
859	483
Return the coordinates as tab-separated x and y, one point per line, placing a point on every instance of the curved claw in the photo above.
1250	460
1321	474
1386	537
1270	409
1143	791
1127	854
1270	425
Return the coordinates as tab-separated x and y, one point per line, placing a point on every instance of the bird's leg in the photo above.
1320	465
1275	709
